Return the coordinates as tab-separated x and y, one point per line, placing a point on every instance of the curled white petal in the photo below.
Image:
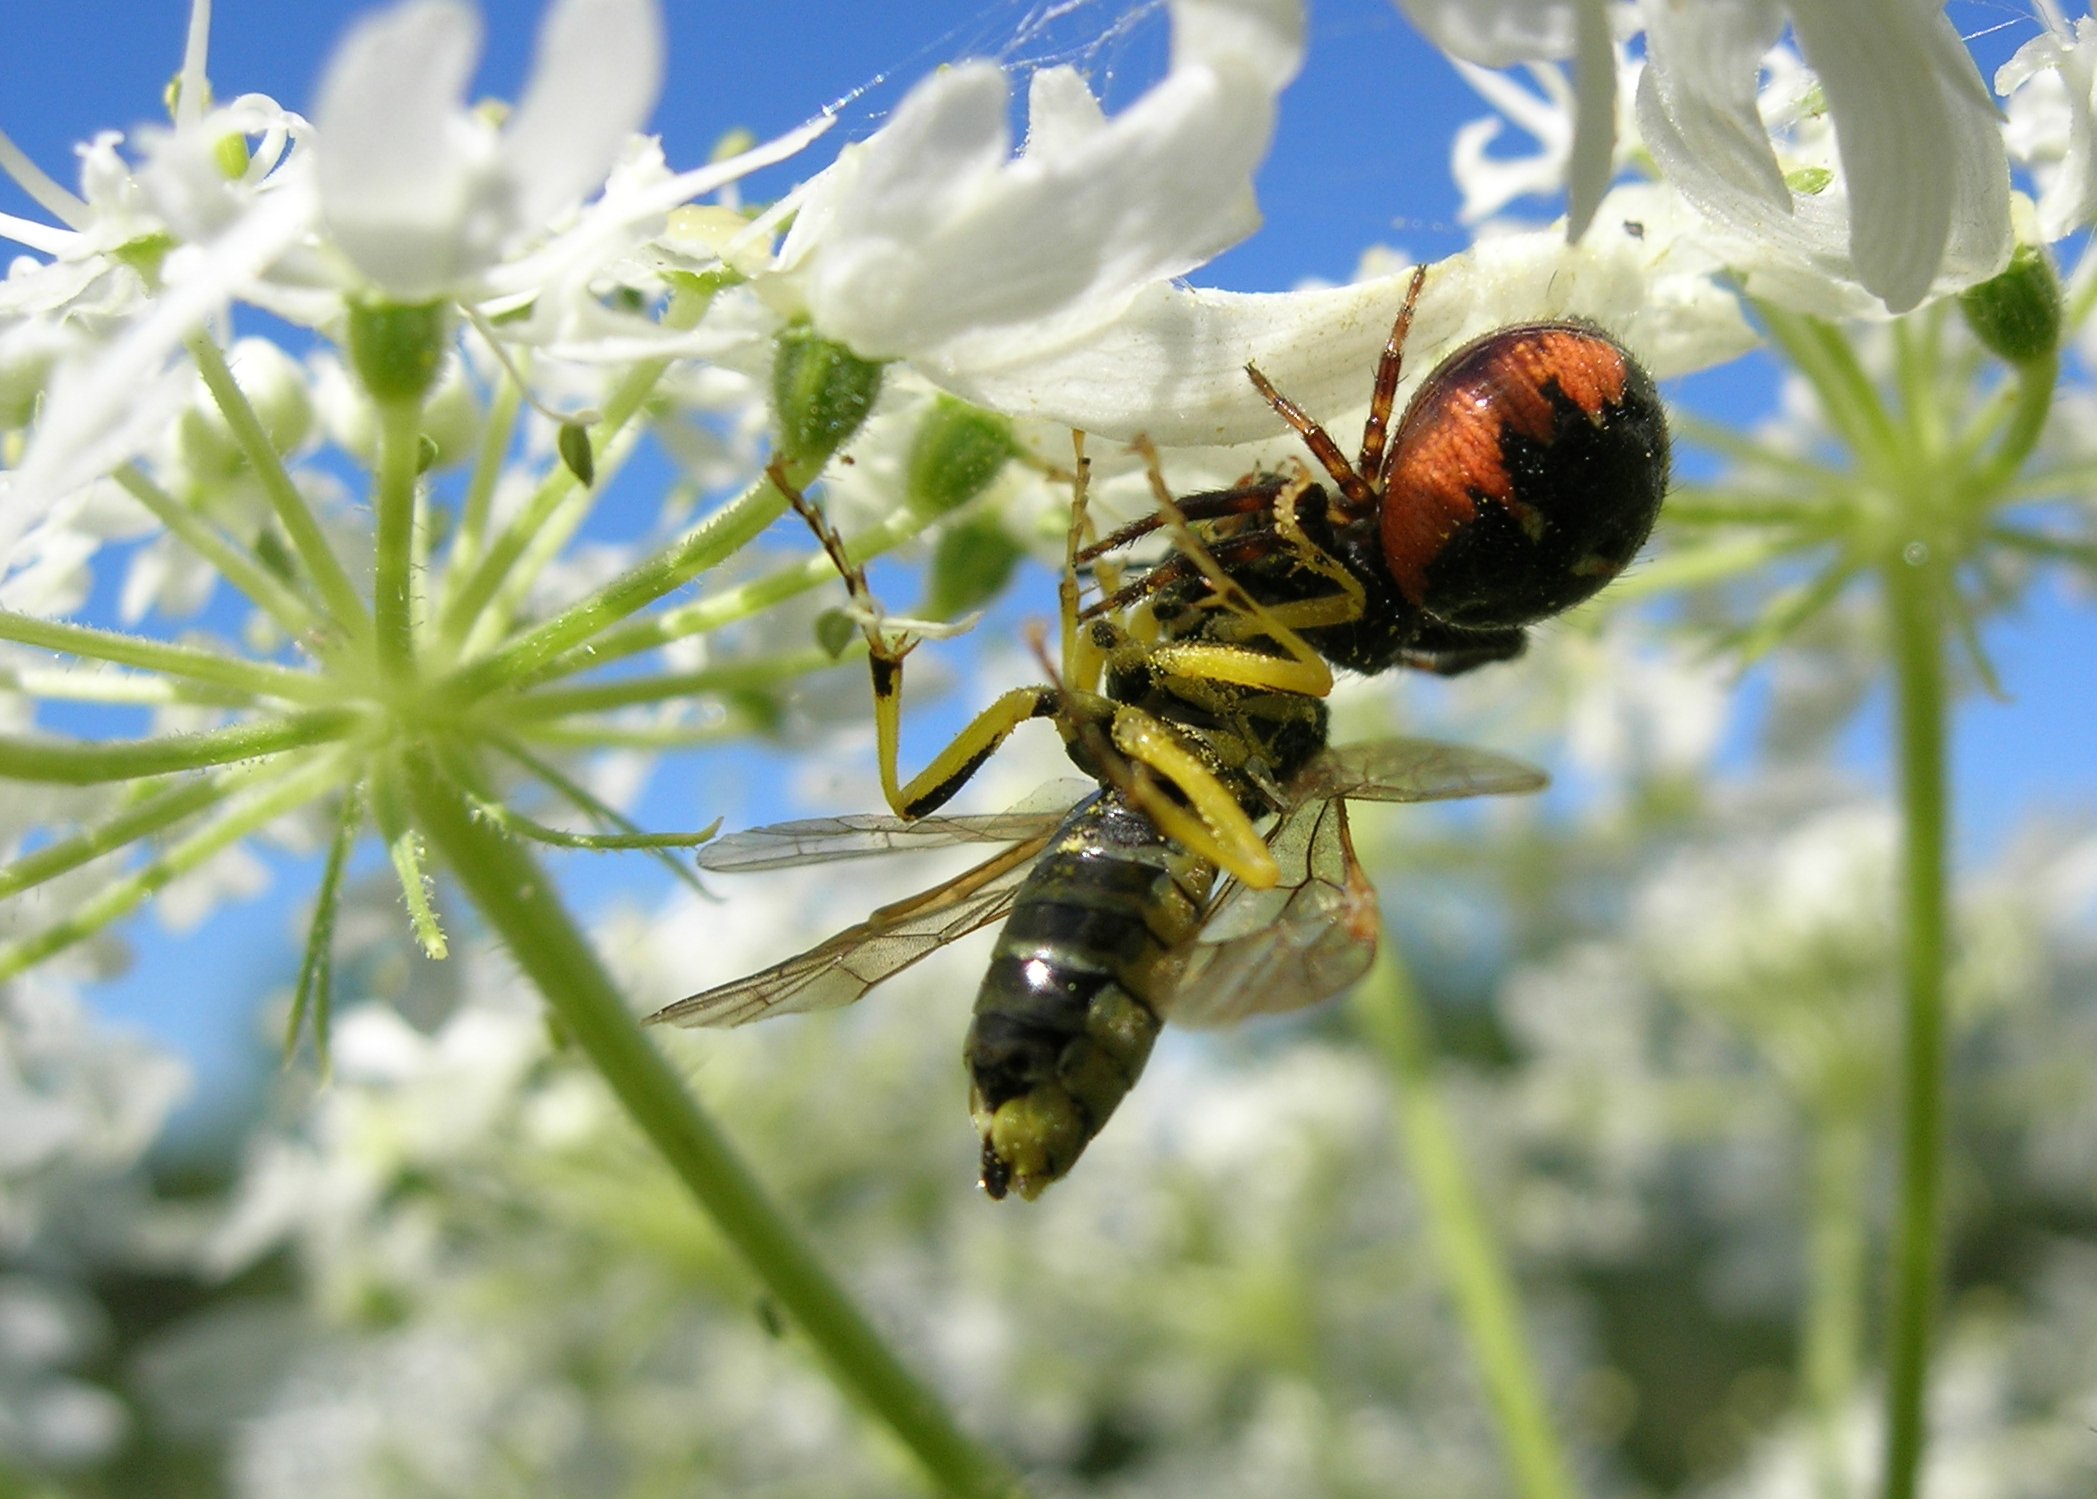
1172	366
2051	86
595	79
1498	33
933	241
420	193
401	165
1922	152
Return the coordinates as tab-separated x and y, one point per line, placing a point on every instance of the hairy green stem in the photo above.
269	593
730	676
292	511
707	544
251	678
1388	1010
479	504
73	762
1914	590
162	809
738	603
1835	1260
393	541
465	610
506	884
293	787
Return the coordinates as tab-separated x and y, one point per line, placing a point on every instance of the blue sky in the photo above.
1361	158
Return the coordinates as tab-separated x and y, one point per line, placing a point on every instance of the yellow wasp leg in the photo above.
1216	828
1352	599
1244	668
952	766
950	769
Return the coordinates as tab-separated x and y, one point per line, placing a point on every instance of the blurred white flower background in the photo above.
385	414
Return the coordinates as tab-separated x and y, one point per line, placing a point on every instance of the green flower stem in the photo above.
736	603
592	733
2049	548
1388	1011
1696	566
580	796
101	685
514	895
298	520
293	787
404	850
1914	592
393	542
478	506
544	547
1746	450
560	486
707	544
162	809
1837	1251
1851	404
72	762
264	589
2034	403
315	995
734	676
250	678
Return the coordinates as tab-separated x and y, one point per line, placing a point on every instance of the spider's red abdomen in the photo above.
1525	474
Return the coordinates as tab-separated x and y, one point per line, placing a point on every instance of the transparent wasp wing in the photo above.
838	971
1267	952
1413	770
818	840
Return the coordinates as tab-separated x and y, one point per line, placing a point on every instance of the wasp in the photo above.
1209	874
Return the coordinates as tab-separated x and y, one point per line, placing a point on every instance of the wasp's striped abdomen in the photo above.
1066	1015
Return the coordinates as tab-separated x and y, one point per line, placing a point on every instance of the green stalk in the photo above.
488	574
731	676
1836	1257
1388	1010
73	762
293	788
250	678
513	894
738	603
101	685
162	809
269	593
1913	592
298	520
478	506
710	542
393	544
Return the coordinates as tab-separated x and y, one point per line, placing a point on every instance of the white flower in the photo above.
2051	86
422	193
1907	194
933	242
1500	33
1926	178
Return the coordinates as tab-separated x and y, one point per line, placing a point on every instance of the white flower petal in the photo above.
595	79
399	159
932	242
1172	366
1593	161
1697	105
1922	152
1498	33
2051	85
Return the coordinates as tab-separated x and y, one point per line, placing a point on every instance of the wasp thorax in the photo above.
1525	474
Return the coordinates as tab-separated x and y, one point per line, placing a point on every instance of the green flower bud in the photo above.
957	451
2017	315
275	387
971	566
397	351
822	391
